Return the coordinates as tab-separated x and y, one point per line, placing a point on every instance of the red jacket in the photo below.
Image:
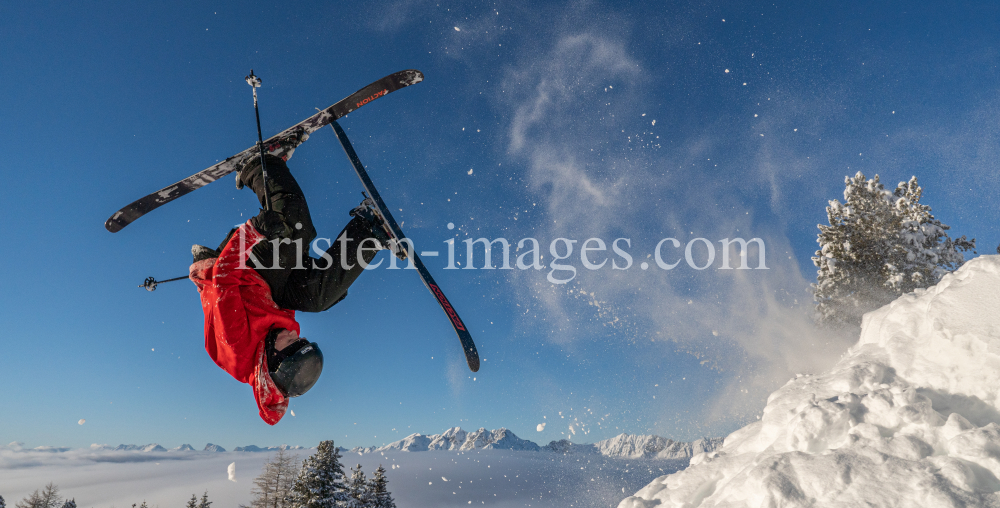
239	312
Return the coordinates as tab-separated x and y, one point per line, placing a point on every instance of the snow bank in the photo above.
908	417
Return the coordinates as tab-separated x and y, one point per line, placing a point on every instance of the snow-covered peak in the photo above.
214	448
637	447
153	447
456	439
183	448
653	447
624	445
51	449
254	448
908	417
500	439
451	439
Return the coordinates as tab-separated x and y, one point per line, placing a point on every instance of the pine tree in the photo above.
143	505
378	491
879	245
321	480
193	502
70	503
3	504
357	489
205	503
274	484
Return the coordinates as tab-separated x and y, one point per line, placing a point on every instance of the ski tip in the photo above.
412	77
472	358
113	225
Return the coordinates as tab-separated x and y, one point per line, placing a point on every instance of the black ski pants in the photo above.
299	281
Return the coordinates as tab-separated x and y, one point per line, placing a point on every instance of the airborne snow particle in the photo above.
82	421
470	171
444	479
232	472
727	71
540	427
654	122
292	411
457	29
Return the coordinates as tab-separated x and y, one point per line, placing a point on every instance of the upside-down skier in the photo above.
251	286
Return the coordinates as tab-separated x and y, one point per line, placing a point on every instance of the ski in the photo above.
396	234
282	145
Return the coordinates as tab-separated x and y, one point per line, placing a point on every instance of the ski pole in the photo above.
150	282
254	83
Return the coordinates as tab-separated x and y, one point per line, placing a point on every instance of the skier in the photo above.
251	286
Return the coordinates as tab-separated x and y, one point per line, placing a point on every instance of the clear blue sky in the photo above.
576	119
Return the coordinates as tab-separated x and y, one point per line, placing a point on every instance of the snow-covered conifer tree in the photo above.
357	489
320	483
70	503
879	245
204	503
193	502
3	504
377	489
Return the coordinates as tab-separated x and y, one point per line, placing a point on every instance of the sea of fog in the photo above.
498	478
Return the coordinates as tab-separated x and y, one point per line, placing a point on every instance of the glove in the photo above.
269	223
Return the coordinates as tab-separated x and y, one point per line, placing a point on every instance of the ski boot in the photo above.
240	165
380	230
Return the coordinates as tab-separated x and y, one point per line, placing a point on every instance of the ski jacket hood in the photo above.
239	311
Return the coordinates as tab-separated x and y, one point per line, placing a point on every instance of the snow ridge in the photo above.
907	417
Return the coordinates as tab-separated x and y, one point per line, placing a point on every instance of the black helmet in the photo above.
300	368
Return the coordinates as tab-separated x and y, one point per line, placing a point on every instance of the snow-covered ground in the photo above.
908	417
505	478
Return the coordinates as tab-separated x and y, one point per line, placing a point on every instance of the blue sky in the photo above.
760	110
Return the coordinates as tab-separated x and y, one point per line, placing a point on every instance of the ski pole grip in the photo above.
252	80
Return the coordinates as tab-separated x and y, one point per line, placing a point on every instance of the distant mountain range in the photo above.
183	448
622	445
